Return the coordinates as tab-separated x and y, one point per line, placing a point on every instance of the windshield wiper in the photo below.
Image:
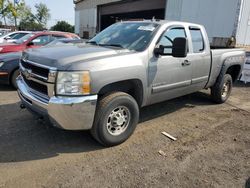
114	45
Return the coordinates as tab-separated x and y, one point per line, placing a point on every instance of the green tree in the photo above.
4	10
42	14
30	25
27	21
63	26
22	14
16	12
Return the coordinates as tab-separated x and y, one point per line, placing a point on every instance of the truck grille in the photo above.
35	69
39	79
43	89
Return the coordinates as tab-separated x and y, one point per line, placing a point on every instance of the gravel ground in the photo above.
212	147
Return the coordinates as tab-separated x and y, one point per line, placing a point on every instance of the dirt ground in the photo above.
212	147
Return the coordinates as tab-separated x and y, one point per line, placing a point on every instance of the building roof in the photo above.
77	1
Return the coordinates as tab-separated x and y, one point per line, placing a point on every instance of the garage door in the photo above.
127	10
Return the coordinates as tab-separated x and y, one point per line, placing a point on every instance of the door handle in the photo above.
186	63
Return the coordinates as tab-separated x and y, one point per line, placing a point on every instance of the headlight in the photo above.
1	49
73	83
1	64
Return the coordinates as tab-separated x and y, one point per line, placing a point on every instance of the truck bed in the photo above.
218	57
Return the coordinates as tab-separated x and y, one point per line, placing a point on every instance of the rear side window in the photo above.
197	40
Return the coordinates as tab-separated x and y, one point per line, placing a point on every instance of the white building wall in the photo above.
218	16
77	21
243	33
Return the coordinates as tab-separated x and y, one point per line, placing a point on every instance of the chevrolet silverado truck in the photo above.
101	86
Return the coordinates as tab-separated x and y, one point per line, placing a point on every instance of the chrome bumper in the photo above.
70	113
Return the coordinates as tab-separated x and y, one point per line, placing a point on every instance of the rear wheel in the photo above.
13	78
116	119
221	91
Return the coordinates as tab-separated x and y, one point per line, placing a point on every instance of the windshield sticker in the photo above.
146	28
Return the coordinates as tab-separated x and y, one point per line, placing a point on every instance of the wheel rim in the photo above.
118	120
225	89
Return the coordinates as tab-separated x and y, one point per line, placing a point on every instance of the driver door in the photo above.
169	76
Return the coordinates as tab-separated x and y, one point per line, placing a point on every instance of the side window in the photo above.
55	37
168	37
197	40
41	40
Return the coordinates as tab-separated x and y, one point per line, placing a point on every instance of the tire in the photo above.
116	118
221	91
14	75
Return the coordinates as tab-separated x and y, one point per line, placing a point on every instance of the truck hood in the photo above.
61	57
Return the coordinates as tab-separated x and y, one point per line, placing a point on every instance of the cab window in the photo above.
197	40
169	36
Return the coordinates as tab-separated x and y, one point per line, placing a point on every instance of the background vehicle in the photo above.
245	77
34	40
13	36
101	86
9	62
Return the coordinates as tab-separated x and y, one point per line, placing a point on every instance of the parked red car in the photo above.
34	40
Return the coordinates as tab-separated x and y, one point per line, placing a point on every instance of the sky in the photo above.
59	10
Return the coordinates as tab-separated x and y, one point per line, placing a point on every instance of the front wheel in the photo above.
116	118
13	78
221	91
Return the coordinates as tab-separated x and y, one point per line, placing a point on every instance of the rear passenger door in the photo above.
200	57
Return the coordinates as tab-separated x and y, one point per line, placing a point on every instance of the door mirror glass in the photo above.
180	47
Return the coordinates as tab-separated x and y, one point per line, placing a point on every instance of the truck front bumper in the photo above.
70	113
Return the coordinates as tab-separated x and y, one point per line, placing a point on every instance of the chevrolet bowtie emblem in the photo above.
27	73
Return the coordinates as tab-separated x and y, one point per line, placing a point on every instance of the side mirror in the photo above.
180	47
159	50
7	38
30	44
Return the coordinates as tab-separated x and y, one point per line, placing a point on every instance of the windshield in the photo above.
24	39
132	36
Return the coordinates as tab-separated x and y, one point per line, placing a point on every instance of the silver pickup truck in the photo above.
101	85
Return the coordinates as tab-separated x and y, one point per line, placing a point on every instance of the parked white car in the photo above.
13	36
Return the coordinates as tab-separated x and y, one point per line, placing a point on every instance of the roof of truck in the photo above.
162	22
